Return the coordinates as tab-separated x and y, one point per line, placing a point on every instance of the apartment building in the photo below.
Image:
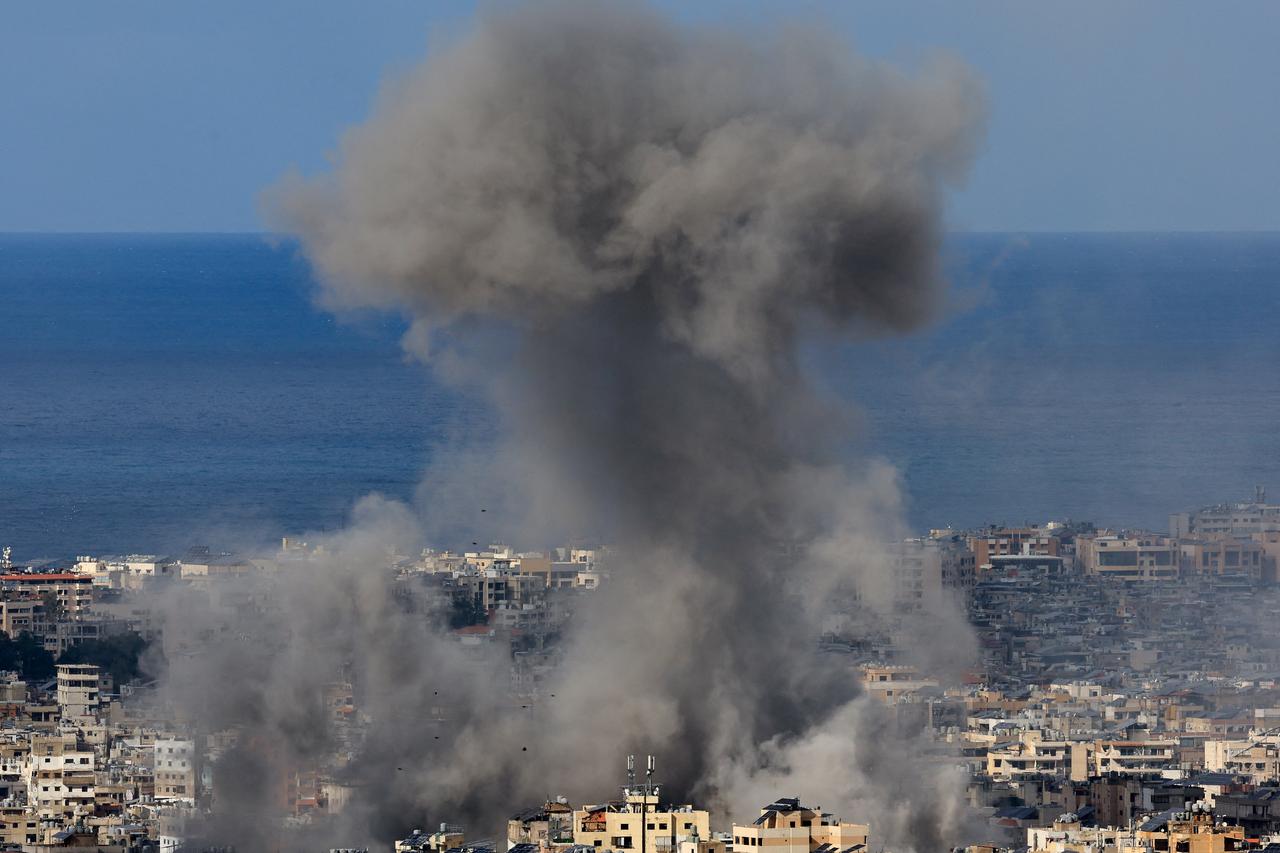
1129	556
1032	756
930	574
79	692
1140	758
1014	541
1194	831
892	684
1223	557
22	614
639	822
1239	519
786	826
59	775
548	825
175	769
70	594
1257	757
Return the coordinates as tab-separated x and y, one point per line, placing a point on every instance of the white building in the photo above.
175	769
79	688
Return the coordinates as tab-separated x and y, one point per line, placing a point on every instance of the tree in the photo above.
26	655
117	655
465	611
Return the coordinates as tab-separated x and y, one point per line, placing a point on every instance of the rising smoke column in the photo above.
656	218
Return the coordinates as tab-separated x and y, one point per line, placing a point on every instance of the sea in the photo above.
160	391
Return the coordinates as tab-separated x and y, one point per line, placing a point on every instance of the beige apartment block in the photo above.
786	826
59	774
1032	756
640	823
1129	557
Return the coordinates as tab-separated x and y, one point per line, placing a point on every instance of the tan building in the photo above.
892	684
1223	557
59	774
1257	757
1014	541
212	566
786	826
640	822
548	825
1033	756
1132	757
18	825
22	614
70	593
1130	557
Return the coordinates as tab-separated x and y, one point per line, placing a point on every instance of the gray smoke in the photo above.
624	230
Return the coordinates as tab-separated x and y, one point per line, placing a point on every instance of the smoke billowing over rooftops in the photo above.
662	215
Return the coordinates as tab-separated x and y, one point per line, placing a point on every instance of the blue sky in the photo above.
158	115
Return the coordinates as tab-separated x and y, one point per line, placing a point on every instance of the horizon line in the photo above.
946	232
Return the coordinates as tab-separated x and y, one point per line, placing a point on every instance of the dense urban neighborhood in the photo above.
1123	695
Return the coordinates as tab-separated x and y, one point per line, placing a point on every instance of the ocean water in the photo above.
157	391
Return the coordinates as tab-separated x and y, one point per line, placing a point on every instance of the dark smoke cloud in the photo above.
655	217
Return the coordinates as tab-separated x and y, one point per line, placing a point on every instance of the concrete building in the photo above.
1257	758
1140	758
22	615
1239	519
200	563
68	593
1222	556
786	826
932	574
59	775
639	822
175	769
1129	556
1193	831
79	692
1033	756
1014	541
891	684
548	825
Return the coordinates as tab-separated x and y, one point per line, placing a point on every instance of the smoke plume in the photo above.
624	229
